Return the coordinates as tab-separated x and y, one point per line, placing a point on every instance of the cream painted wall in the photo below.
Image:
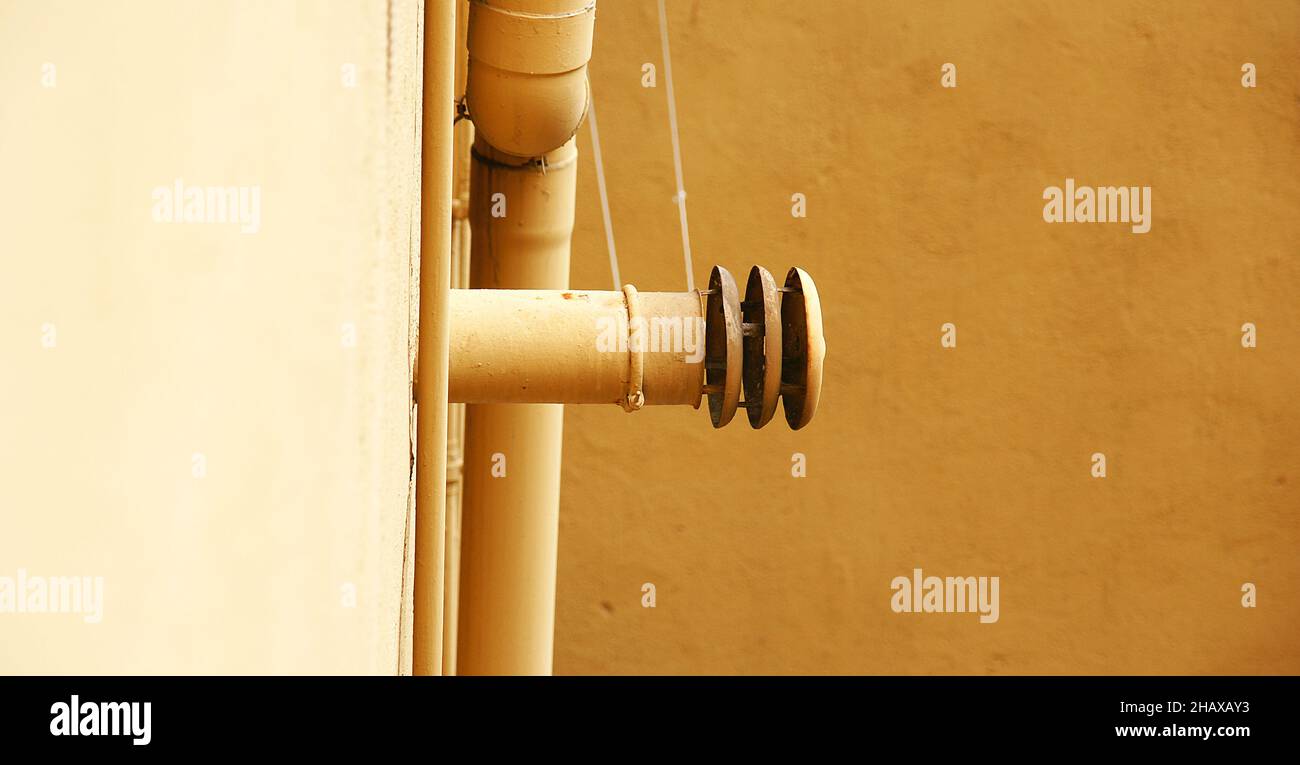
181	339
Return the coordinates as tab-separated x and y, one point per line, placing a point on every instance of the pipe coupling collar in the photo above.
531	42
527	80
634	398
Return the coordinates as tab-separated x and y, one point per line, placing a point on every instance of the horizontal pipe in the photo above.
576	347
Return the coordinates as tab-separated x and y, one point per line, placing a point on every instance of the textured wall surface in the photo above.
925	207
183	411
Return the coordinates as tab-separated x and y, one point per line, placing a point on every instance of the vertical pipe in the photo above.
460	246
431	365
455	484
455	442
522	220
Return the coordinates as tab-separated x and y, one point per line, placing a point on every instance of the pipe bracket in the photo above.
634	398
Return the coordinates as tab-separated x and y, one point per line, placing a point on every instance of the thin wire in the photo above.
604	195
677	148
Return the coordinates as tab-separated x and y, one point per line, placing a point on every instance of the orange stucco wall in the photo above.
924	206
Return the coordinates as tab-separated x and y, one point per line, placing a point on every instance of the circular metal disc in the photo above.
804	348
762	373
722	346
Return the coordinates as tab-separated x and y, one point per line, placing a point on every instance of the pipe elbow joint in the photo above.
527	78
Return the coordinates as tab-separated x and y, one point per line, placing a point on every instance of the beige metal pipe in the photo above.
460	246
524	344
527	94
644	348
521	214
527	90
576	347
509	539
431	363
